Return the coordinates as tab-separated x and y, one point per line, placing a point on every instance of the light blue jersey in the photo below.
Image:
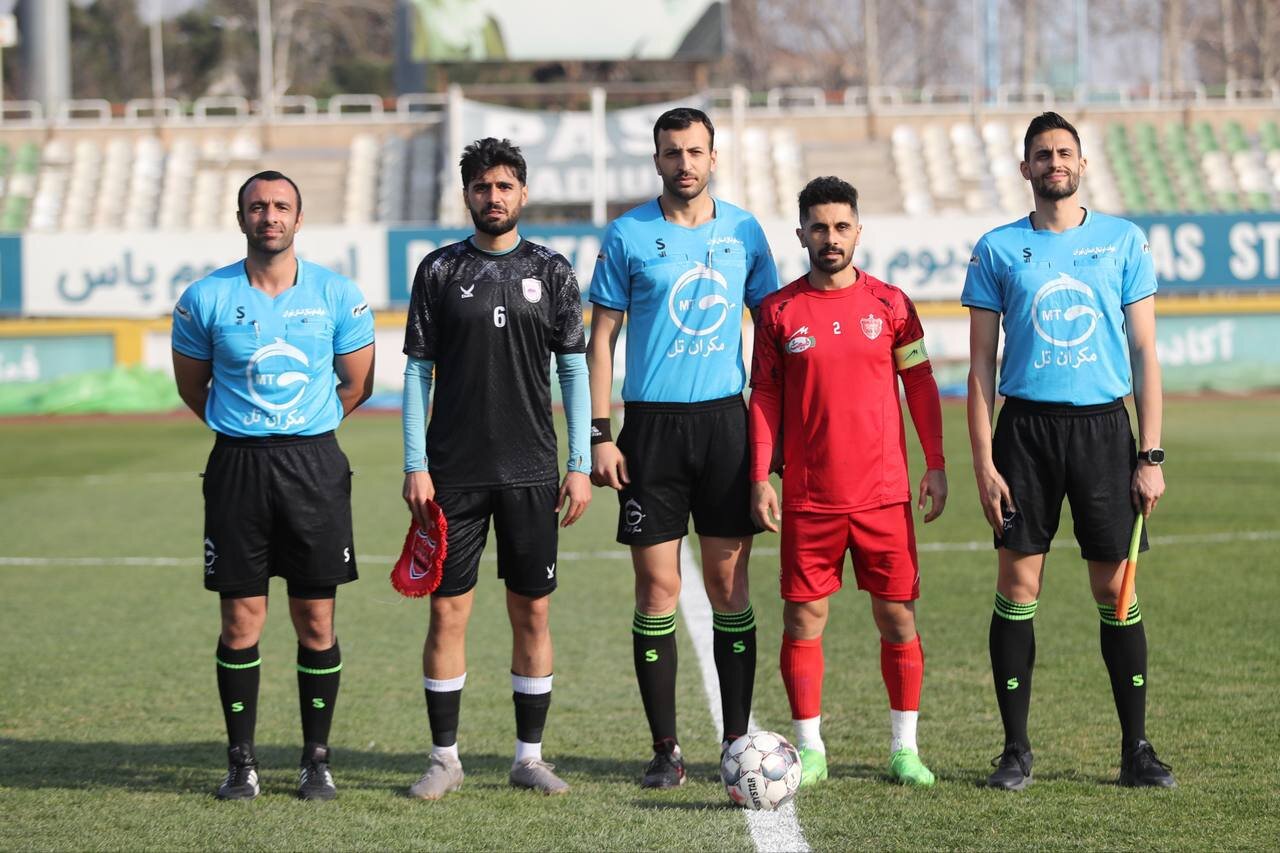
272	357
1062	297
684	290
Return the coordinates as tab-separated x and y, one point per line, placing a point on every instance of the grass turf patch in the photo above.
111	737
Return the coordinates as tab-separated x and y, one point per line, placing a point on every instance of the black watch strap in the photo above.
1154	456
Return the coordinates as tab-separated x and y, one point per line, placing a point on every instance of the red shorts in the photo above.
882	542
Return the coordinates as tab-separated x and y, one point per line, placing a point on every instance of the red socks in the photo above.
902	666
802	667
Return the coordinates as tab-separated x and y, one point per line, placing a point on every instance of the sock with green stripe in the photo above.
1124	648
653	639
1012	643
238	673
318	676
733	642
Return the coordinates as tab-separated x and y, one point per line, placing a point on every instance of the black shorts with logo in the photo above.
277	506
1046	451
525	526
685	459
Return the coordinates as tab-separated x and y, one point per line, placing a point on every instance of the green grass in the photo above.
111	738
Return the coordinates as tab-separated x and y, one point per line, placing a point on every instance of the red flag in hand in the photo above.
421	565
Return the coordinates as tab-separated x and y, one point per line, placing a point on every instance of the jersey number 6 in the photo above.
500	316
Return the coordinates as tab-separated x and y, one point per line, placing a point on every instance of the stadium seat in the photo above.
424	175
393	160
362	176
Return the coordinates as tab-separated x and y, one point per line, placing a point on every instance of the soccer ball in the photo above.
761	770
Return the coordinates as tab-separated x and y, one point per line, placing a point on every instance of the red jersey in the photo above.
824	375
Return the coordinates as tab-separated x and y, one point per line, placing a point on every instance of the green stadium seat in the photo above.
1206	139
1259	201
1269	135
1227	202
1197	202
1236	140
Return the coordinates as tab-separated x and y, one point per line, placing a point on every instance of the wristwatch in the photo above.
1154	456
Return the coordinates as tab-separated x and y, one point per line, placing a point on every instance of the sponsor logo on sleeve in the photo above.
800	341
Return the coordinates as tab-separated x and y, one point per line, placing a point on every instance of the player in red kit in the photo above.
829	349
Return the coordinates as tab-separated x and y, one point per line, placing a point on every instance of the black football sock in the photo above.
444	701
1124	649
318	676
239	671
1012	642
532	698
734	645
654	643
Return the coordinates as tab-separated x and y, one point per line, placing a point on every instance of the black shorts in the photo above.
1046	451
277	506
683	459
525	526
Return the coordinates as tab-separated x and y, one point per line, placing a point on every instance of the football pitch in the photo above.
111	737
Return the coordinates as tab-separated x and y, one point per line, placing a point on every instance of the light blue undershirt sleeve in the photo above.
417	400
571	370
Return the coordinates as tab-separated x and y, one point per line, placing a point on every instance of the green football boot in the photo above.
813	767
906	768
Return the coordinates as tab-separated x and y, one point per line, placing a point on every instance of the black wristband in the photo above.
601	430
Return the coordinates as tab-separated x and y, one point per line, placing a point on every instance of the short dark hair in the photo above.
1045	122
827	190
268	175
484	154
682	118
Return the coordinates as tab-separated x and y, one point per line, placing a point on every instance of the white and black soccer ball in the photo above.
761	770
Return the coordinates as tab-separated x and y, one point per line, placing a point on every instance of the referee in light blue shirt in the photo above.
1075	292
683	267
272	353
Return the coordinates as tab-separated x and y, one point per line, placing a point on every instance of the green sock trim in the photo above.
734	623
1107	613
226	665
653	626
328	671
1013	611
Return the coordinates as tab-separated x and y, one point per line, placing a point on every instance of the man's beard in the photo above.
494	229
830	266
262	244
673	187
1056	192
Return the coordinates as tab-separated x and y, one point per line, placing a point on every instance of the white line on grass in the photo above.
777	830
1225	537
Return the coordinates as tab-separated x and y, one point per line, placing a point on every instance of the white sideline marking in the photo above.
622	554
777	830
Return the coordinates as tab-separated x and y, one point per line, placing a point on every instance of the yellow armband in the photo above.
910	355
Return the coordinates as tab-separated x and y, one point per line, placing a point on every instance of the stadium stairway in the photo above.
868	165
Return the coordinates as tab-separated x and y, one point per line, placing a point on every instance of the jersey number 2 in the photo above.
500	316
835	327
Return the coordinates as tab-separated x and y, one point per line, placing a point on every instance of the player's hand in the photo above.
608	466
933	485
575	494
764	506
994	496
1147	487
418	489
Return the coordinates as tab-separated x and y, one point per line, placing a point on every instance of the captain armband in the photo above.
910	355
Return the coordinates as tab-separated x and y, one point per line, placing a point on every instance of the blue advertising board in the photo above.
10	274
1214	251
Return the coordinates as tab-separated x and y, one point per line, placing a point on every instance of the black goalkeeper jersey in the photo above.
491	323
